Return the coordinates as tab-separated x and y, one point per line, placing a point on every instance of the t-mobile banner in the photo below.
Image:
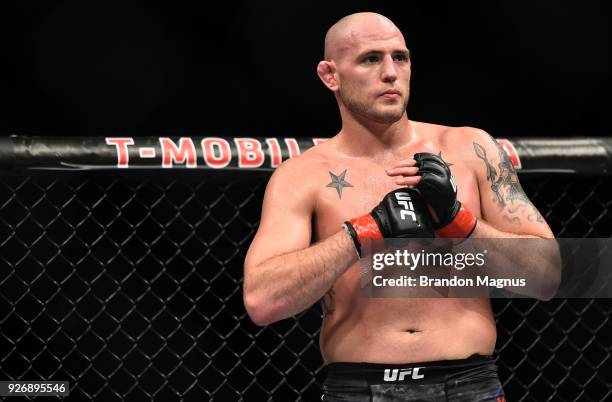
496	268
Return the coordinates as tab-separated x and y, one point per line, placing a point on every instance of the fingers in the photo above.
426	156
433	168
403	163
408	172
407	181
403	171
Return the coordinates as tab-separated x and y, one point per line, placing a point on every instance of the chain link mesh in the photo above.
130	288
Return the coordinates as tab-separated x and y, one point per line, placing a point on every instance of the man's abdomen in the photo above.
407	330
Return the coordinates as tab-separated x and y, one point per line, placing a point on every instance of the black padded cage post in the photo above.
121	269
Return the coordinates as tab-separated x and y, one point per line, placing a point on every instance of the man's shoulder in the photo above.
458	140
453	134
302	168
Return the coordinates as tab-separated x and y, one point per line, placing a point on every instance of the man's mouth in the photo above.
391	94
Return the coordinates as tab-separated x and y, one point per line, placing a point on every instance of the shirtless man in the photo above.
383	349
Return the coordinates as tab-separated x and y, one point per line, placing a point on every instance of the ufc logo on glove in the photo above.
405	200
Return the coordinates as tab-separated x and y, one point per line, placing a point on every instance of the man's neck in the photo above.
370	139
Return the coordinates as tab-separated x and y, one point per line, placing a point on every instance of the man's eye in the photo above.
371	59
400	57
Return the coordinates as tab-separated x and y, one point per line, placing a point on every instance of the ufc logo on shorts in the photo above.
400	374
404	200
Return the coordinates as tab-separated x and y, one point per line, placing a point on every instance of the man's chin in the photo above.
387	117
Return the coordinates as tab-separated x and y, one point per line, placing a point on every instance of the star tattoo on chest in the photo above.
338	182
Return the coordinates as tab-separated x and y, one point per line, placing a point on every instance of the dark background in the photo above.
514	68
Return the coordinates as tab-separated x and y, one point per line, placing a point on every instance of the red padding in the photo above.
461	227
366	228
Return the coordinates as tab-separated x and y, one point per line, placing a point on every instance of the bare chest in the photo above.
349	190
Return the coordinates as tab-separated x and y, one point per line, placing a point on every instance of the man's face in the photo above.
374	75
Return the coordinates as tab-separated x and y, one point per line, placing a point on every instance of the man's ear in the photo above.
326	70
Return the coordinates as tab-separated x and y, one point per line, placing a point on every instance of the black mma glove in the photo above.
439	190
401	214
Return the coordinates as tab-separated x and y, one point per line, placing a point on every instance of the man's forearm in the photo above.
288	284
537	261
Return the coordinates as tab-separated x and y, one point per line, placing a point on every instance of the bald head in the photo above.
345	33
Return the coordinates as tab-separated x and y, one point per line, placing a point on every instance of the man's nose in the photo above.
389	74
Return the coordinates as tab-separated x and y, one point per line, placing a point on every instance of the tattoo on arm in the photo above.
509	194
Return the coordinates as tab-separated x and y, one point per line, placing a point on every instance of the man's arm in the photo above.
503	203
283	273
508	213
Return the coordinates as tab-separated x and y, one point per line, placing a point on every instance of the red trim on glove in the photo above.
461	227
366	228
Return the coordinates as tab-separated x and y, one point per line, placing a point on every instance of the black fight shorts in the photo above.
471	379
